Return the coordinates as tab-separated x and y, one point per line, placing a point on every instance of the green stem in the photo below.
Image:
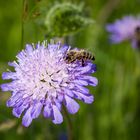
107	10
69	124
24	15
22	35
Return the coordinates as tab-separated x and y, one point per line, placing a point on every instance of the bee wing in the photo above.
75	49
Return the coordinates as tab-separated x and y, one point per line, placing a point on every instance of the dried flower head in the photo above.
42	82
128	28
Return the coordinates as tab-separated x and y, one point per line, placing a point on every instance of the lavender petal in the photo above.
27	119
71	105
57	116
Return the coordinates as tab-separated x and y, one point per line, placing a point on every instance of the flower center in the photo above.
137	29
137	36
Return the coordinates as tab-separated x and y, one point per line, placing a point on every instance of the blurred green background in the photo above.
115	113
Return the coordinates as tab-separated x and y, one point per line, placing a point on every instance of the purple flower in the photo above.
125	29
42	82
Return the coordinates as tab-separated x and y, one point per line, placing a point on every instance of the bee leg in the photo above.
93	58
83	63
70	61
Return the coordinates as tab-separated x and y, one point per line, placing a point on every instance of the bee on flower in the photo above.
42	82
78	55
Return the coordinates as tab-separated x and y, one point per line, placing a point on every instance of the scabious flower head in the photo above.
43	81
124	29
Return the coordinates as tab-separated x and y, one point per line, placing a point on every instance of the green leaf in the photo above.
64	19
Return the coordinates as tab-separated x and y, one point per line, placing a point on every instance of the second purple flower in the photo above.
127	28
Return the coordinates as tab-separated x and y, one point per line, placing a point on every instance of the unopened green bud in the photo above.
64	19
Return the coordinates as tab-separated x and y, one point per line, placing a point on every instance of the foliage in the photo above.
115	113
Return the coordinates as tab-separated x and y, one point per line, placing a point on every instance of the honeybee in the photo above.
80	55
137	36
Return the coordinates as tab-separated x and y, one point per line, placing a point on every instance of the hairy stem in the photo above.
107	10
24	15
69	124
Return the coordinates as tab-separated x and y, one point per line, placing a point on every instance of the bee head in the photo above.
67	57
